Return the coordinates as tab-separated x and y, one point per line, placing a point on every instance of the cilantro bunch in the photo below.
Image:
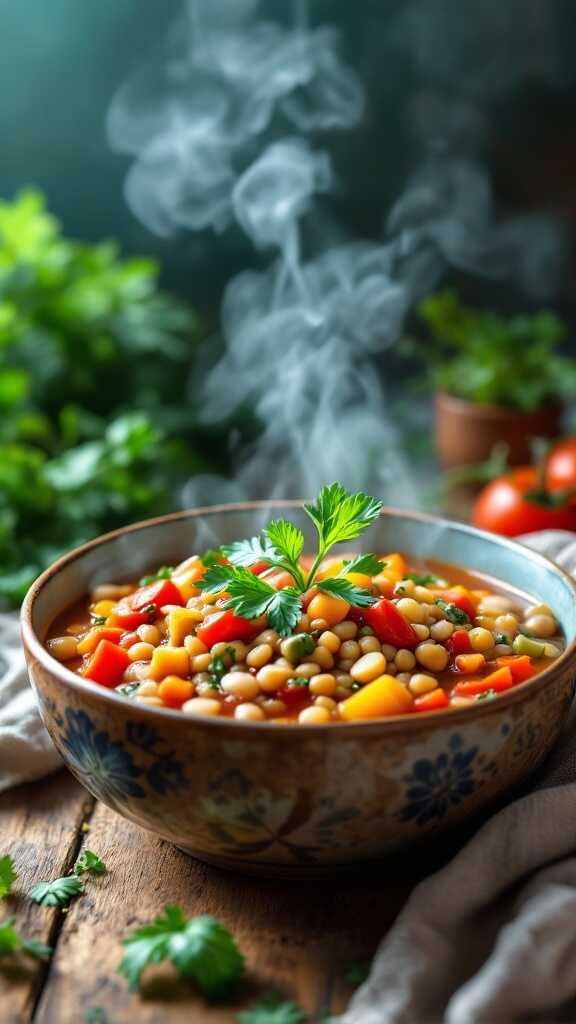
338	517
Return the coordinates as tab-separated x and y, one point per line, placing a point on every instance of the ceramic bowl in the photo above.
291	800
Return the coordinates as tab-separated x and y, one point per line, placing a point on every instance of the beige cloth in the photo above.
491	938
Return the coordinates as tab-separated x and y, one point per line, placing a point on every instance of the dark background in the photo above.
63	60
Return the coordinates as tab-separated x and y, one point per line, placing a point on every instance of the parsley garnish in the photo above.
338	517
98	620
127	689
12	942
487	695
501	638
271	1009
164	573
452	612
219	666
298	681
200	948
89	862
7	875
424	580
57	893
151	610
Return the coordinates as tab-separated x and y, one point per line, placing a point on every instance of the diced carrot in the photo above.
107	664
175	691
469	663
381	698
90	642
499	681
520	666
385	586
433	701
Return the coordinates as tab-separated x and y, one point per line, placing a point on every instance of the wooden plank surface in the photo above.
297	937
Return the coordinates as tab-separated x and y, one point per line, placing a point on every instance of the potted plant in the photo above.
496	378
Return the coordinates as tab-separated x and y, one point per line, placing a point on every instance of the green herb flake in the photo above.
95	1015
271	1009
127	689
452	612
57	893
89	862
298	681
422	580
165	572
200	948
98	620
501	638
7	875
487	695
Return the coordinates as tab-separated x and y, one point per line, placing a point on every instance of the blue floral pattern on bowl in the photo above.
108	768
434	785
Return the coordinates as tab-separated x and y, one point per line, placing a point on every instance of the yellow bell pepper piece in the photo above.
169	661
395	568
182	622
332	609
381	698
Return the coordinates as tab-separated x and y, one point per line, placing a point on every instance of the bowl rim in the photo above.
35	647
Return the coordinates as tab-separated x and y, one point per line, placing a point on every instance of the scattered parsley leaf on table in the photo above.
89	862
11	942
57	893
7	875
270	1009
200	948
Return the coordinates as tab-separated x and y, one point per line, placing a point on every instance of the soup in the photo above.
432	637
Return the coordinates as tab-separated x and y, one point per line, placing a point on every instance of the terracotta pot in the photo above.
466	433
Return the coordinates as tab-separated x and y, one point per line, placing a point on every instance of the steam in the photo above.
223	129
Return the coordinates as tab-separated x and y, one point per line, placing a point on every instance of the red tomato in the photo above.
223	626
389	624
505	506
462	599
561	466
459	642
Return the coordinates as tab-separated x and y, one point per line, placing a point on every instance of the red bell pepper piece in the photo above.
128	620
107	664
459	643
520	666
389	624
223	626
499	681
434	701
159	593
462	600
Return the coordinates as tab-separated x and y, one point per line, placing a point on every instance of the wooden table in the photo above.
297	937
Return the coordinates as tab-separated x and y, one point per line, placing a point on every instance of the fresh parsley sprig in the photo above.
57	893
89	863
338	517
200	948
12	942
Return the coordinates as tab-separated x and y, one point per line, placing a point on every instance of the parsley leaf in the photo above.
339	516
298	681
286	538
95	1015
57	893
127	689
421	580
7	875
248	552
487	695
271	1009
251	596
98	620
211	557
200	948
216	578
164	573
218	667
501	638
89	862
368	564
11	941
338	587
452	612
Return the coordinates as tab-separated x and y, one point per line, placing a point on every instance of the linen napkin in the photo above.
491	938
26	750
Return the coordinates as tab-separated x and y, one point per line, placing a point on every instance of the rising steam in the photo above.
220	128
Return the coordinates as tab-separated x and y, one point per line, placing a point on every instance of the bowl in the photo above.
286	800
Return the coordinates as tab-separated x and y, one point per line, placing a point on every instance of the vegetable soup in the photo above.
259	631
